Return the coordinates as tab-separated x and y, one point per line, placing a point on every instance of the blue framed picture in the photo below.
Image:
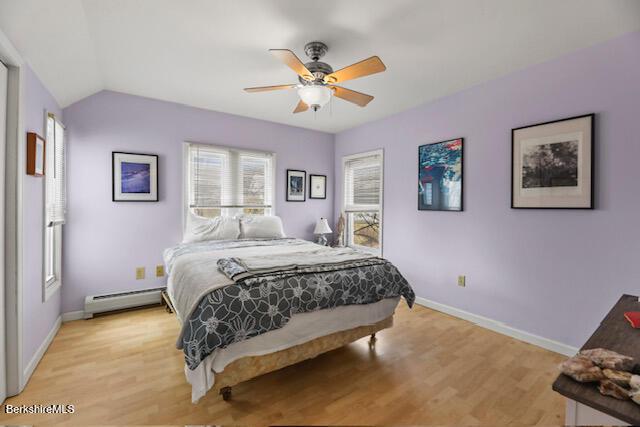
135	177
296	185
440	176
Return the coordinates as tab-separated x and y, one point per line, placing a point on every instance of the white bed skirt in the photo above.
301	328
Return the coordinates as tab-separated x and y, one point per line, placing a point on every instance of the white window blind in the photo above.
363	182
228	181
55	197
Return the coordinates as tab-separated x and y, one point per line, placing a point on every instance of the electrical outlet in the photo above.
139	273
160	270
462	281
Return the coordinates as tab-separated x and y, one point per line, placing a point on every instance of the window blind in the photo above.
226	178
255	176
55	193
363	180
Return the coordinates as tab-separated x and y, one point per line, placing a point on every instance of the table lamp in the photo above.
322	228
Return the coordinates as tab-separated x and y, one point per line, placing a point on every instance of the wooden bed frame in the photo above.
250	367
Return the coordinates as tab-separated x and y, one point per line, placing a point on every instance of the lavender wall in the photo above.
104	241
551	273
38	317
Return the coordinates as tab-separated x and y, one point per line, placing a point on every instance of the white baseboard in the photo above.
72	315
33	363
500	327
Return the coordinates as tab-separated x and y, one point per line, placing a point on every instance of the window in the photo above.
228	182
363	181
55	205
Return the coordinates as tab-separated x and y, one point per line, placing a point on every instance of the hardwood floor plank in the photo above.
430	368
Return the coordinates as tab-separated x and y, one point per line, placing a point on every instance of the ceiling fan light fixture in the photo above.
317	79
315	96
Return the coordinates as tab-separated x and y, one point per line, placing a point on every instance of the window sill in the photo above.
377	252
50	288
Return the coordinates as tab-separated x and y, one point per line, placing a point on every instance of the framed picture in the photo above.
440	176
135	177
35	154
317	186
552	164
296	182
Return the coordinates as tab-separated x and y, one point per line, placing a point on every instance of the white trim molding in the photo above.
33	363
15	153
70	316
500	327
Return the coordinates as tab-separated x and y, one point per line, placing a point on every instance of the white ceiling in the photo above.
203	52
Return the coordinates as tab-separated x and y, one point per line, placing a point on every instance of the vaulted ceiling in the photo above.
203	52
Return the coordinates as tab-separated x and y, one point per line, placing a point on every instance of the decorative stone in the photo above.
635	396
581	369
634	382
609	359
619	377
609	388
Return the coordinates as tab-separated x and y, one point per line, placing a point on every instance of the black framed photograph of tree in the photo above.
552	164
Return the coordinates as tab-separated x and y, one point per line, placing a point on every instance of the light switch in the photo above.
159	270
139	273
462	281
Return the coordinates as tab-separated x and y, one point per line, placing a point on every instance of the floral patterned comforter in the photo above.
247	308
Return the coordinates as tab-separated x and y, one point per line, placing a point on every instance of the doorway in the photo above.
4	76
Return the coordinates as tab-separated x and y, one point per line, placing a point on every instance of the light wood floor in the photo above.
429	369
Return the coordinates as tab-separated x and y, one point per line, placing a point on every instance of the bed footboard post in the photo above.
373	339
226	393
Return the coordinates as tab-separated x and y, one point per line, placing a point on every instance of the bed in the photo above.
253	305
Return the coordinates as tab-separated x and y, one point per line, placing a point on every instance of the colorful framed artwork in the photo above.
134	177
317	186
440	176
552	164
296	185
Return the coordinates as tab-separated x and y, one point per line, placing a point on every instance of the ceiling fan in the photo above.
317	79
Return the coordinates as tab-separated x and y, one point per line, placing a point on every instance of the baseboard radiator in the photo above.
94	304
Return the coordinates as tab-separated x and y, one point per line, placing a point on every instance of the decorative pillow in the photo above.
261	227
219	228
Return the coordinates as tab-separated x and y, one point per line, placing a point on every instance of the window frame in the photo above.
239	151
52	234
348	226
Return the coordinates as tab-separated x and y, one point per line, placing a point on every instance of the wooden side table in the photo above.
585	404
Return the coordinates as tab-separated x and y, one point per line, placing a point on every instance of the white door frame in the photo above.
14	161
4	81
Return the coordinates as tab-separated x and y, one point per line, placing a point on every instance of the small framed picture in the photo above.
552	164
440	176
317	186
135	177
35	154
296	183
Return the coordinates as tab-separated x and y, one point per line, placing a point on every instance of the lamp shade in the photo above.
322	227
315	95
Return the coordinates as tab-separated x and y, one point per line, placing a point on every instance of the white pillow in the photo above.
261	227
219	228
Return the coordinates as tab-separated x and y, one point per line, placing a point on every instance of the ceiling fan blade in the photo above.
292	61
268	88
363	68
358	98
300	107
